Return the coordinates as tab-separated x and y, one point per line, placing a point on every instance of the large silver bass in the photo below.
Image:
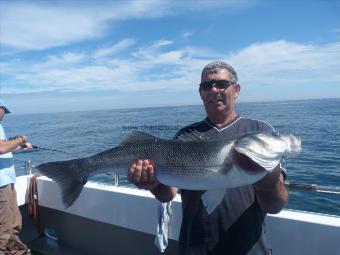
192	164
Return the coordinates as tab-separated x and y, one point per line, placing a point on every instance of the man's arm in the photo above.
142	174
11	145
271	192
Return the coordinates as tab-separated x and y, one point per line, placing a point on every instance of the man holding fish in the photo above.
226	166
236	225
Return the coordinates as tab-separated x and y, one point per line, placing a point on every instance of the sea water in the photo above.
80	134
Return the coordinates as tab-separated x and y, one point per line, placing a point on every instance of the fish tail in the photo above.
70	175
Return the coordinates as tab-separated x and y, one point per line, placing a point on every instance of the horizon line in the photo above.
185	105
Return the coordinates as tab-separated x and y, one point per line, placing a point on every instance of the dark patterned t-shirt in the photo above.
236	226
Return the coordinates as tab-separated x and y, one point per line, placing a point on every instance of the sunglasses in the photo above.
219	84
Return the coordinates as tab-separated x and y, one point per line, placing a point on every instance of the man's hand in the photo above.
27	146
142	174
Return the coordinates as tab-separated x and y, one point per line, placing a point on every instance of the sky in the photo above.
58	56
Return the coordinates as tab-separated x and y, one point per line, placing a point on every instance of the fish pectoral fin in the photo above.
212	198
138	136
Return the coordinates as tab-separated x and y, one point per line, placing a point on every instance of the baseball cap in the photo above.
4	106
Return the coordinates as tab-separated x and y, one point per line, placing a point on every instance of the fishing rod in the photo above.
313	188
42	148
38	147
48	149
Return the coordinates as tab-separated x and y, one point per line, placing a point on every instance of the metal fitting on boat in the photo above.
116	180
28	167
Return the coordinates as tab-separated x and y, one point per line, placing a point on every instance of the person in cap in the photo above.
236	226
10	217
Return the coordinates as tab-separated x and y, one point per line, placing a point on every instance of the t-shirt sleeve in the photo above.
266	127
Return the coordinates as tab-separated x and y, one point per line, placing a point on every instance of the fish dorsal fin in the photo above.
138	136
192	136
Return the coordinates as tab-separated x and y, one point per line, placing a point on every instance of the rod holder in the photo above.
28	167
116	180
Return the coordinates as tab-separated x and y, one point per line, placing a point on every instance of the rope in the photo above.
33	205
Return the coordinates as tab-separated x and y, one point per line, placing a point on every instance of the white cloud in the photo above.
161	43
275	63
187	34
270	62
65	59
37	25
155	52
32	26
114	48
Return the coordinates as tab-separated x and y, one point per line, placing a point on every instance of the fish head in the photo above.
268	149
293	144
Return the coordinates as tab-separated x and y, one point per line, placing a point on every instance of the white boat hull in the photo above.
120	220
